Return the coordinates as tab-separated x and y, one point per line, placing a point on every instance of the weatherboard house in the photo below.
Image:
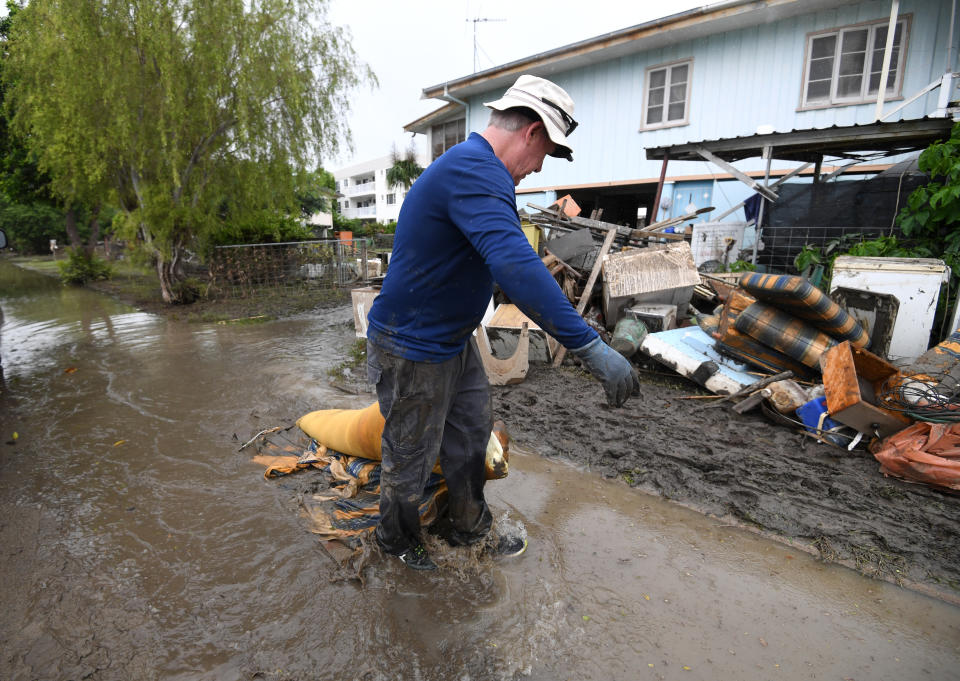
711	106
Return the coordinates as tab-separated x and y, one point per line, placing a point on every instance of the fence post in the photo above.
339	263
363	262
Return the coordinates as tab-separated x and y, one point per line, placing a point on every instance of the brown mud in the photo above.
763	475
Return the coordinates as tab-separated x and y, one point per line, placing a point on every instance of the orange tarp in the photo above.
924	452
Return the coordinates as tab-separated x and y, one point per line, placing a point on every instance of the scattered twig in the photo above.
262	432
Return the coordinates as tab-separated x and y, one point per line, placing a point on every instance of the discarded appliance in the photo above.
503	332
657	274
915	282
690	352
656	317
801	299
362	299
875	312
853	379
717	242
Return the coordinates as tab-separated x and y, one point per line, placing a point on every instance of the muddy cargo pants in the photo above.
432	411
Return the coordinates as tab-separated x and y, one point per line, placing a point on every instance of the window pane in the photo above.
658	78
678	93
876	62
449	135
821	69
849	86
823	47
854	41
436	137
654	115
818	91
655	98
679	73
676	112
852	64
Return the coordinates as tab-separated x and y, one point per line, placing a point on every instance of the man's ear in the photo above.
530	132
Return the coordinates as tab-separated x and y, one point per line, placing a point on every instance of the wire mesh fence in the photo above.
299	267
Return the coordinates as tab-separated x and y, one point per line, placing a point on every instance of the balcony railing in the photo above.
360	189
367	212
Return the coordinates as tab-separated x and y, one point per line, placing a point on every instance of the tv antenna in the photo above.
477	20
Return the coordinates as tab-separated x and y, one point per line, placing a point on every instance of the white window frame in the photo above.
894	87
668	67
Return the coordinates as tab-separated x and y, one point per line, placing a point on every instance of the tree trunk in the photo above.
168	271
94	229
72	234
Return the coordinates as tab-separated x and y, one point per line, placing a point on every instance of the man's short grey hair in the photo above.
512	119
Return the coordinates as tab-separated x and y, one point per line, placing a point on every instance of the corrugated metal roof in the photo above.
850	141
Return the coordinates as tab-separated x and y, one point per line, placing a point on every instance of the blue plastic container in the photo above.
809	414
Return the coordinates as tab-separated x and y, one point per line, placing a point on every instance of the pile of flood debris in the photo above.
850	369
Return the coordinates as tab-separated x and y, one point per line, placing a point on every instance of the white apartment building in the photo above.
363	192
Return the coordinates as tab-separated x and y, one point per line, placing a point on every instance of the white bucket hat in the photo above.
550	101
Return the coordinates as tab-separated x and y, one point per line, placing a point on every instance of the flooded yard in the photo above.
137	542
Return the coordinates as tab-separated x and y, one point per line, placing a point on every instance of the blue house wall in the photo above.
740	80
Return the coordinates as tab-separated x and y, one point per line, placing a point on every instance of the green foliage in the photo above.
742	266
184	114
315	191
342	224
931	217
30	226
808	258
258	227
81	267
404	169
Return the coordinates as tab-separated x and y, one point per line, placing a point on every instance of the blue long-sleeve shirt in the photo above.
458	232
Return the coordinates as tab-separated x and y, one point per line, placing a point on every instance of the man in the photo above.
458	232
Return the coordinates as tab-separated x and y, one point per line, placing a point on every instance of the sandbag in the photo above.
924	452
358	432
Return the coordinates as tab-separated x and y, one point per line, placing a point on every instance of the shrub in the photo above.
81	267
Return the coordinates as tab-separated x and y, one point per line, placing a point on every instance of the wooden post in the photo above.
588	289
663	176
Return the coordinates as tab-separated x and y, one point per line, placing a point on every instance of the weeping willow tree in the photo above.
182	113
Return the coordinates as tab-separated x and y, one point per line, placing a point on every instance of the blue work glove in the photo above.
610	368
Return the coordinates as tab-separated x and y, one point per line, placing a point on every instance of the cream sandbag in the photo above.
358	432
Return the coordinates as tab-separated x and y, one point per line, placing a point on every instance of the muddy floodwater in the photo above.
137	542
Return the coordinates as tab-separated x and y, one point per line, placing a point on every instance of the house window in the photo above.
391	199
667	95
446	135
844	66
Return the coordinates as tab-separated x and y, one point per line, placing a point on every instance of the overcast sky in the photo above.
413	44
